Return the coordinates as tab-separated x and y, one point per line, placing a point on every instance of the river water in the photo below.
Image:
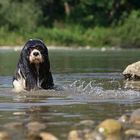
92	86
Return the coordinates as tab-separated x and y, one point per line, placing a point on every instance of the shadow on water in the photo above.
91	89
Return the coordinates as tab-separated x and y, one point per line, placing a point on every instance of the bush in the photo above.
128	33
124	35
19	16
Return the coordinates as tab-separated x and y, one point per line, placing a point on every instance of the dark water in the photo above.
93	89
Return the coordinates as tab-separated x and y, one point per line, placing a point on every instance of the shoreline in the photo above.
70	48
18	48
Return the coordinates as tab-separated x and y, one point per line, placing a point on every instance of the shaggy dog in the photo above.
33	68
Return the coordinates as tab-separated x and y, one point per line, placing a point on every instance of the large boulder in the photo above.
132	71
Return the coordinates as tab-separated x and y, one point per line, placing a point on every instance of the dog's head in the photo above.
35	50
33	68
35	55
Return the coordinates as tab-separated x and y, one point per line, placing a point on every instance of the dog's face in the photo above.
36	51
35	55
33	68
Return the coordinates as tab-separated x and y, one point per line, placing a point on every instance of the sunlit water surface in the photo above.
90	86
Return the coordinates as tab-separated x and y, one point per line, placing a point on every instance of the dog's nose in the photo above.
35	53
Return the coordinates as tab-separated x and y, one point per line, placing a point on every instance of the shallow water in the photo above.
92	88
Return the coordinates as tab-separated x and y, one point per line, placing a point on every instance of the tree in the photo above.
19	15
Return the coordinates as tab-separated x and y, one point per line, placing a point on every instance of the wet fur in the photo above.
33	76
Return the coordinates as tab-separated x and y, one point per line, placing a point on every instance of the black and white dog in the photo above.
33	68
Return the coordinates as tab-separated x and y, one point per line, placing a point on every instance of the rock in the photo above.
14	125
35	126
75	135
4	135
132	84
124	119
132	71
109	126
94	136
135	117
85	134
33	136
114	137
87	122
132	132
47	136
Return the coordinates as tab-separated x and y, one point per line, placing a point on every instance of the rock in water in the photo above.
132	71
109	126
133	132
47	136
35	126
4	135
135	117
75	135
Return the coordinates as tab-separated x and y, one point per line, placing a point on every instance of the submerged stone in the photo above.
124	119
47	136
114	137
4	135
132	71
35	126
34	136
109	126
75	135
85	124
14	125
135	117
132	132
94	136
85	135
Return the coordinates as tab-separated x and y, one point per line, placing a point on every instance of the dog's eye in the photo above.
30	50
39	48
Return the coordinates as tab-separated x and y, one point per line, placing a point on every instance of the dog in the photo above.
33	68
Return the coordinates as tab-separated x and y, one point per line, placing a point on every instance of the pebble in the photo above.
135	117
4	135
35	126
114	137
75	135
132	132
124	119
109	126
87	122
85	135
14	125
33	137
94	136
47	136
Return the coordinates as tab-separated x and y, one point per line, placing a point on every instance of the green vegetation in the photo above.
93	23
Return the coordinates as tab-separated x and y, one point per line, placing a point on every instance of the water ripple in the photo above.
93	91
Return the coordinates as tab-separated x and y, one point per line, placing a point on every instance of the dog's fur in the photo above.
33	68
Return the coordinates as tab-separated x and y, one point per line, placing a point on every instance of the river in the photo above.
92	86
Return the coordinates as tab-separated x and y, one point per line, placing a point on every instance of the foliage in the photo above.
19	16
128	33
71	22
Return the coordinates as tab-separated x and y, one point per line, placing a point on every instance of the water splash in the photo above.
96	91
83	87
100	90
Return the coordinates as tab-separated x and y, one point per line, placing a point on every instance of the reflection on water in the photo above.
93	88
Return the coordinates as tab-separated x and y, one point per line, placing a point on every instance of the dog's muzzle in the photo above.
35	57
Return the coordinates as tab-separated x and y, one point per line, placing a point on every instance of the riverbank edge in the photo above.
18	48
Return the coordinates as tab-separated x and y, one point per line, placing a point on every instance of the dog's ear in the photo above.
23	63
30	82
